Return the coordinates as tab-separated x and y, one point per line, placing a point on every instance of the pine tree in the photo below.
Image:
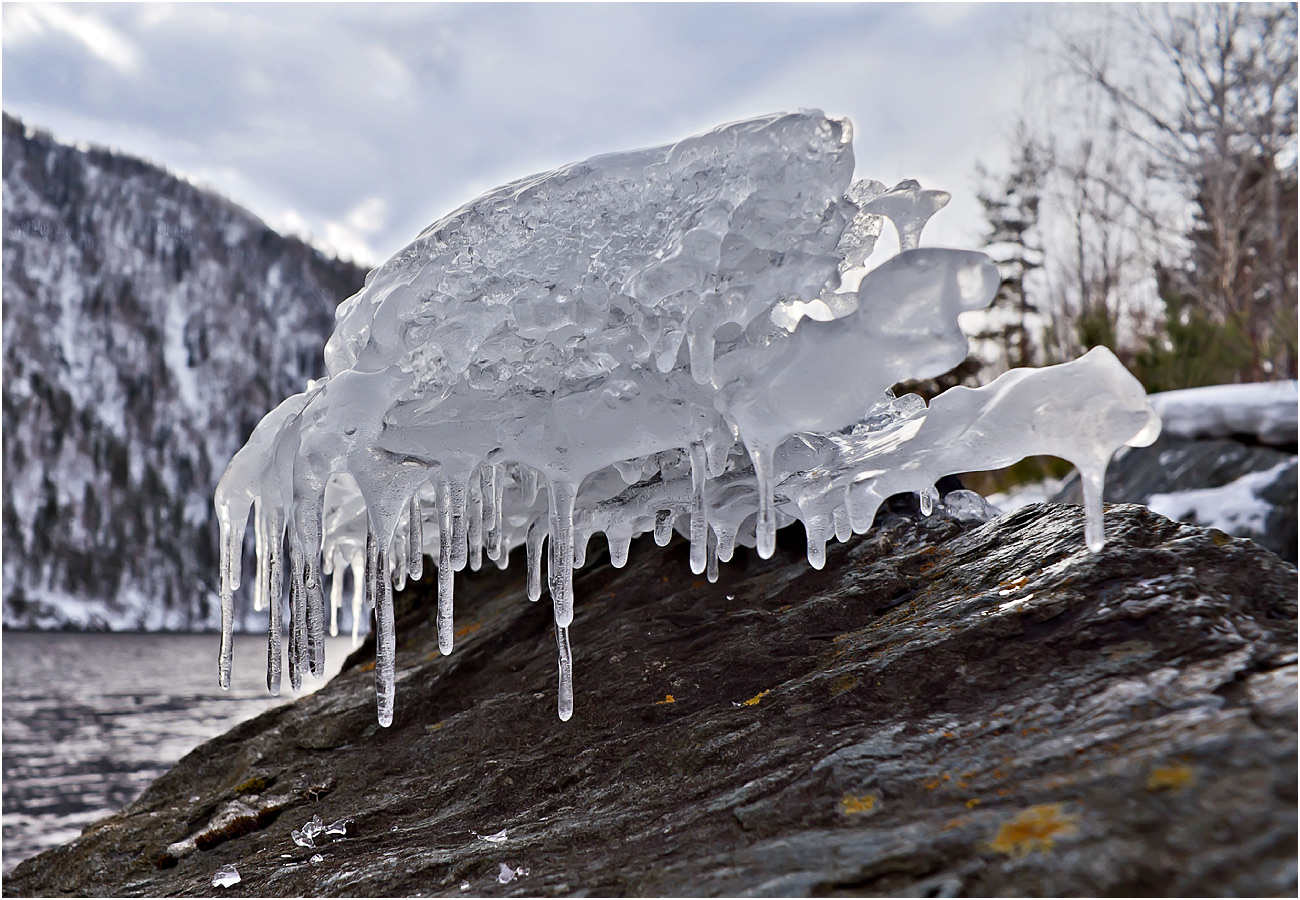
1008	338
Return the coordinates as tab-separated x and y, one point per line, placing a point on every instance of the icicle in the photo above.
560	569
415	537
711	567
385	634
307	543
336	595
259	543
297	617
928	498
528	479
372	566
699	510
765	527
492	512
566	673
533	542
273	592
1094	528
843	531
446	571
817	533
664	527
357	565
475	530
458	492
580	541
619	544
726	543
232	546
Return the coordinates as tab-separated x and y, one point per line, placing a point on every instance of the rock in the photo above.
1261	508
945	710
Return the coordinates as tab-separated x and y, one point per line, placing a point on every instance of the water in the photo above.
91	719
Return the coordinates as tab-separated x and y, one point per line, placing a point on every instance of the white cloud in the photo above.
25	22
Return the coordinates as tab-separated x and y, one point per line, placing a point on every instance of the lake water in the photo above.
90	719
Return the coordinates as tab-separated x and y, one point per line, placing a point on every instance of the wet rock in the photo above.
946	709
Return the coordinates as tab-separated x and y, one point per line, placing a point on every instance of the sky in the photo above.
356	125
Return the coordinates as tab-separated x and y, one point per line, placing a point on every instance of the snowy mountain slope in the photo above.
148	324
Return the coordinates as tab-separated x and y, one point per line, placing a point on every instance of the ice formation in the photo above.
681	337
226	876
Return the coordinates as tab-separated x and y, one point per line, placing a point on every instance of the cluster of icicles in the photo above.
686	337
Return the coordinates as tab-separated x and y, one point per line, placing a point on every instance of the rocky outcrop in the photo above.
148	325
945	710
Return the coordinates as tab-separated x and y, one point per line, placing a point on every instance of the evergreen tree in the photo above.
1008	338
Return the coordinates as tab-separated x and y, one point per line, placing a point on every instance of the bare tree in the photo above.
1177	155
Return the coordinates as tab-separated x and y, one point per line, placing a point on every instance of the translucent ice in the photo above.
509	873
681	338
225	877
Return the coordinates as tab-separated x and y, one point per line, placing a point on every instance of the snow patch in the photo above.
1267	411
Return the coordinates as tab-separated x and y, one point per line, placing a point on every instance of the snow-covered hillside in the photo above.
148	324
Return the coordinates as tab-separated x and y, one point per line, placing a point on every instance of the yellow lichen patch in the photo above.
1170	778
467	630
972	803
852	804
1033	829
753	701
844	683
953	823
1219	538
436	726
254	785
668	698
932	784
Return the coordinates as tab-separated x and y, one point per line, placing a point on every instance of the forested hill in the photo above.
148	325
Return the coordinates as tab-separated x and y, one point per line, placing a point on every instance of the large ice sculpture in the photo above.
627	342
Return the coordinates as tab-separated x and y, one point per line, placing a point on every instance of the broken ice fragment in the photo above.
340	826
226	876
316	857
302	839
508	874
497	838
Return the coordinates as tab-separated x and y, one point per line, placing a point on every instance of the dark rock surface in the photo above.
944	710
1173	464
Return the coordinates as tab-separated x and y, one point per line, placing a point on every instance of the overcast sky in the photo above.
359	124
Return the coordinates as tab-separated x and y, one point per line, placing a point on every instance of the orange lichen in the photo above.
1170	778
851	804
972	803
467	629
932	784
1032	829
368	667
669	698
753	701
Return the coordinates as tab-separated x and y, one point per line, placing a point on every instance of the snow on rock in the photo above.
1267	411
1235	508
625	342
